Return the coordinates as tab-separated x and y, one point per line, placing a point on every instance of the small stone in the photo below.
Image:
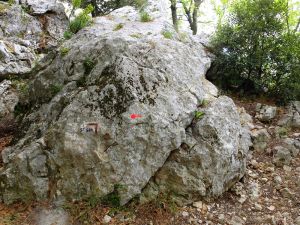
264	179
198	205
277	180
265	113
185	214
204	208
254	190
236	221
242	199
254	163
271	208
258	206
282	156
221	217
260	139
298	169
106	219
270	169
286	193
287	168
297	221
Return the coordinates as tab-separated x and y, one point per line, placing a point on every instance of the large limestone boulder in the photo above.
26	29
210	160
111	109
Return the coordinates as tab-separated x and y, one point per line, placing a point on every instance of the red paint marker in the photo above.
134	116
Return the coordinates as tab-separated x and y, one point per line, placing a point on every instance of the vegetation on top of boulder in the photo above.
167	34
102	8
145	17
64	51
80	21
118	27
199	115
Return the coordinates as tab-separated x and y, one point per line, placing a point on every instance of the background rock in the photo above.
26	29
260	139
265	113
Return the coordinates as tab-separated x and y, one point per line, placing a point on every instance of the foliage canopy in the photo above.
257	48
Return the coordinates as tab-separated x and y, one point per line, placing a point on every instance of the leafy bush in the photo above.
102	8
68	35
257	49
79	22
55	89
64	51
118	27
113	199
145	17
199	115
167	34
82	20
89	65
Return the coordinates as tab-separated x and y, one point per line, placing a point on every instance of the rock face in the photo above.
28	28
8	100
210	160
292	117
260	138
113	108
265	113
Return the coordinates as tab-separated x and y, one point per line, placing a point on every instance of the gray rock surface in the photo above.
265	113
282	156
293	145
27	29
44	216
209	161
260	139
8	99
82	137
292	117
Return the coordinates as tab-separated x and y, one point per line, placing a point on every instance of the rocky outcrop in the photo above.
115	107
8	100
26	29
209	161
265	113
292	117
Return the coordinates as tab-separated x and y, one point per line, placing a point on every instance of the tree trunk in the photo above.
195	16
174	14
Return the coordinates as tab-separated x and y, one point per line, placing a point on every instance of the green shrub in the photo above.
145	17
136	36
68	34
257	49
11	2
89	65
199	115
118	27
113	199
55	89
81	82
21	86
167	34
82	20
64	51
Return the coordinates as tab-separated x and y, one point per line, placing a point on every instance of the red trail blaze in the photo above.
134	116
